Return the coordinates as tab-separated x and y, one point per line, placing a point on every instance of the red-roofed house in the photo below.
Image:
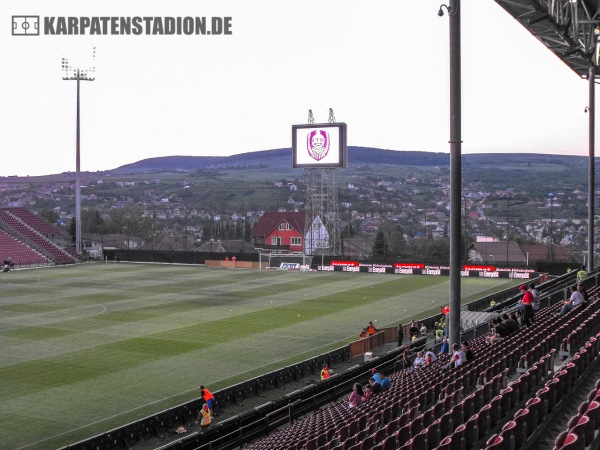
283	231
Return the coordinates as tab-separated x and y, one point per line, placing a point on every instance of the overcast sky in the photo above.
382	65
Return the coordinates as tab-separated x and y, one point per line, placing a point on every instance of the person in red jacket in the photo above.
208	398
371	330
527	306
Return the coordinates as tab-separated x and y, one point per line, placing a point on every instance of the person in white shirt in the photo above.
576	299
419	360
458	356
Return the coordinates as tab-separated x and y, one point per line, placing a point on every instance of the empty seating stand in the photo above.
472	406
19	227
19	253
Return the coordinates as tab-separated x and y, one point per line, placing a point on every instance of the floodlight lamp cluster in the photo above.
77	73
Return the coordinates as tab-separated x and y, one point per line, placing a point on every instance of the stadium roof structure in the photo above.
568	28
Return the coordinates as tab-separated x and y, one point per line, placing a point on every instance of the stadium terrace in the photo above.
137	25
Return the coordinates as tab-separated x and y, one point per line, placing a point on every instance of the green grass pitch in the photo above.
87	348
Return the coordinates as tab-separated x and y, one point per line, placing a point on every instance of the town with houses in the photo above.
408	209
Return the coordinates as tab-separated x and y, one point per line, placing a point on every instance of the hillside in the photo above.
357	156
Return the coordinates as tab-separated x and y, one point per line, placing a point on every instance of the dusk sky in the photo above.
382	66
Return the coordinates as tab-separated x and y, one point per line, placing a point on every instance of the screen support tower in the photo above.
322	206
77	73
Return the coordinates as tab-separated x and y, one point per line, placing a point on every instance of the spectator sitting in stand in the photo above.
466	348
430	358
419	360
385	382
375	386
376	375
368	392
516	316
423	330
584	294
576	299
356	397
458	358
325	372
499	332
511	324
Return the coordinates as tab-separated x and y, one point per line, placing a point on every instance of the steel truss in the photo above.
568	28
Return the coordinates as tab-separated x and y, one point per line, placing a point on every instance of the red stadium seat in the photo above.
585	430
497	442
573	442
593	412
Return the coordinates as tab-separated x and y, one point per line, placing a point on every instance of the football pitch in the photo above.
87	348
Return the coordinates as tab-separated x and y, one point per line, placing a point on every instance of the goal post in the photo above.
290	261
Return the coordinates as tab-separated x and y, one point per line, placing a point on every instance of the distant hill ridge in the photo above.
356	156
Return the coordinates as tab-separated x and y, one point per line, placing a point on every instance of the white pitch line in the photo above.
14	320
139	407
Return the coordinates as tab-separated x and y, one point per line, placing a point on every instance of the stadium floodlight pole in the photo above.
551	195
78	74
453	9
591	169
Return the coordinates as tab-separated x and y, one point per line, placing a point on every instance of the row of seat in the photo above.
476	427
429	412
40	225
584	427
515	432
34	221
57	254
20	254
497	411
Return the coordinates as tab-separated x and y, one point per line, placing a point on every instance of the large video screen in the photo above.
320	145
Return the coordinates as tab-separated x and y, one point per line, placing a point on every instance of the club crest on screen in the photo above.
317	144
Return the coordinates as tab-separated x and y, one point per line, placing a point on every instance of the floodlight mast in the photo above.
78	74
